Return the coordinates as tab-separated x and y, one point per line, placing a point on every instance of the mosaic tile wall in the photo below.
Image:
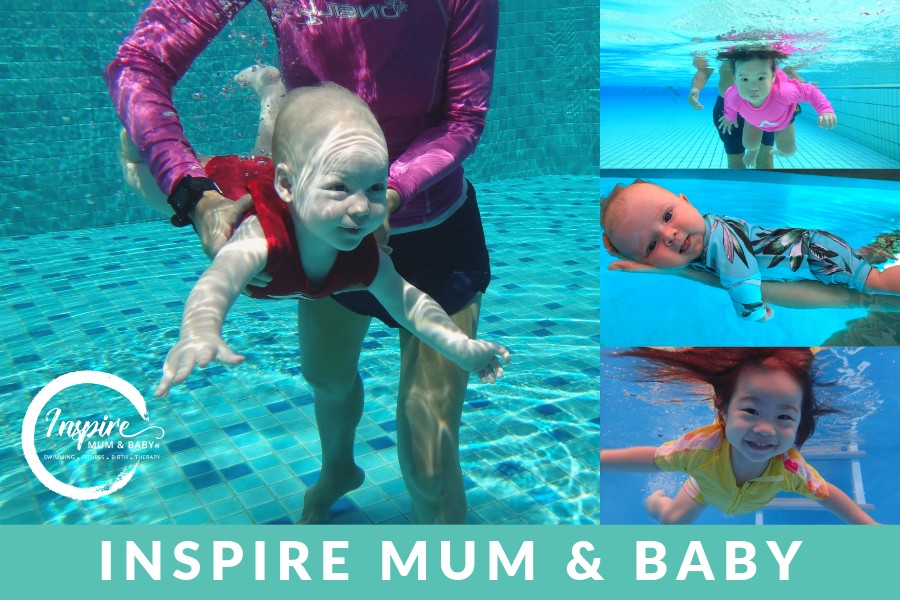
61	129
869	116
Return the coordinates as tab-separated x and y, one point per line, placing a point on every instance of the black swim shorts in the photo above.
449	262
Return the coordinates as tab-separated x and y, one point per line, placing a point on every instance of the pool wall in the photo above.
61	129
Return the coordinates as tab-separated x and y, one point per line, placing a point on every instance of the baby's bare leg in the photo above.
681	510
266	82
138	178
751	139
785	141
887	281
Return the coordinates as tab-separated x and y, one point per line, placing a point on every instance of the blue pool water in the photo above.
846	48
240	444
641	309
648	414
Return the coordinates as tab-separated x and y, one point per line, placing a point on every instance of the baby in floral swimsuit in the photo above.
649	224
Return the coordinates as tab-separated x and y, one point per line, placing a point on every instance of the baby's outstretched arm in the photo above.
637	458
201	341
842	506
424	318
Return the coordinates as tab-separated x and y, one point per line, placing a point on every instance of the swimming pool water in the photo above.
639	309
638	414
240	443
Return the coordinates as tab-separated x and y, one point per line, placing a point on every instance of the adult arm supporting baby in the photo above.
424	318
201	341
638	458
788	294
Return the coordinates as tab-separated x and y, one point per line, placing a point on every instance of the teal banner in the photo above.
574	562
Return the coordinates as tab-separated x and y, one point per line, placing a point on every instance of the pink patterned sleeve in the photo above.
471	50
162	46
812	94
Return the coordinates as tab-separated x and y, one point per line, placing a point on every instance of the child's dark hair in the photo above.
606	201
721	368
740	54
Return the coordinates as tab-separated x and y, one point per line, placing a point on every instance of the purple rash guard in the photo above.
425	68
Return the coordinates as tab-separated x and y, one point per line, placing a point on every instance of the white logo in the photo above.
768	124
389	9
82	430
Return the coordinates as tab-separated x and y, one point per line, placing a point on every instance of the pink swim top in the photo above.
425	69
777	111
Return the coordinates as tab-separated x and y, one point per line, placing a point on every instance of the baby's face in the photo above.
653	226
754	80
763	415
344	198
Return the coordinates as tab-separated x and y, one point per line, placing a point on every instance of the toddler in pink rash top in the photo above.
768	100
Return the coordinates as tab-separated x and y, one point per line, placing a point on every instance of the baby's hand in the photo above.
185	354
828	120
767	316
482	358
632	266
725	126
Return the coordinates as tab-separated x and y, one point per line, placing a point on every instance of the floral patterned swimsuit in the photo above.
743	255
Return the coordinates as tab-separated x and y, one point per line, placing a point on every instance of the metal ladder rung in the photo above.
852	454
804	504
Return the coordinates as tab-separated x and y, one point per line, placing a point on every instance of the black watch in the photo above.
185	196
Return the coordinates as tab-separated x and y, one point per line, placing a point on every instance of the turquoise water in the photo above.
240	443
862	389
638	309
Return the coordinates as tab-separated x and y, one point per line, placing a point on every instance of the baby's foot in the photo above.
330	488
258	77
749	159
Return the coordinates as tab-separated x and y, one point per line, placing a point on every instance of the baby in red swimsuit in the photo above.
316	206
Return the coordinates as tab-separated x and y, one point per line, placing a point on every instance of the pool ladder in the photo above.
852	454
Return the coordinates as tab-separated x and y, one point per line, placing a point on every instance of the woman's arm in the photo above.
423	317
638	458
200	341
167	38
437	151
842	506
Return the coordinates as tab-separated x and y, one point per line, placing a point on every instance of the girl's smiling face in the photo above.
754	80
762	417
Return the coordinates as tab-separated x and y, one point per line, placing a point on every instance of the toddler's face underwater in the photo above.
754	80
762	418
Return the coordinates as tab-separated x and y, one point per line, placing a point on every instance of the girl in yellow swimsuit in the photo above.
765	409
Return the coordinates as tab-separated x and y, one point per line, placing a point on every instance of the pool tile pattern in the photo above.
240	444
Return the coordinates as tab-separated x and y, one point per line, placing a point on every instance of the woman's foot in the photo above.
330	488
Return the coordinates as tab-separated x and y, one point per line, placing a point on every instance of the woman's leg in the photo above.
331	338
429	410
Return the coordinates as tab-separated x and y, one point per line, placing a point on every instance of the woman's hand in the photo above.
198	351
215	217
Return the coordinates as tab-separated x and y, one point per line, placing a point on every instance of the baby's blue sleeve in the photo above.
730	258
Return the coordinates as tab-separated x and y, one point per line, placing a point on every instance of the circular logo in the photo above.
80	430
